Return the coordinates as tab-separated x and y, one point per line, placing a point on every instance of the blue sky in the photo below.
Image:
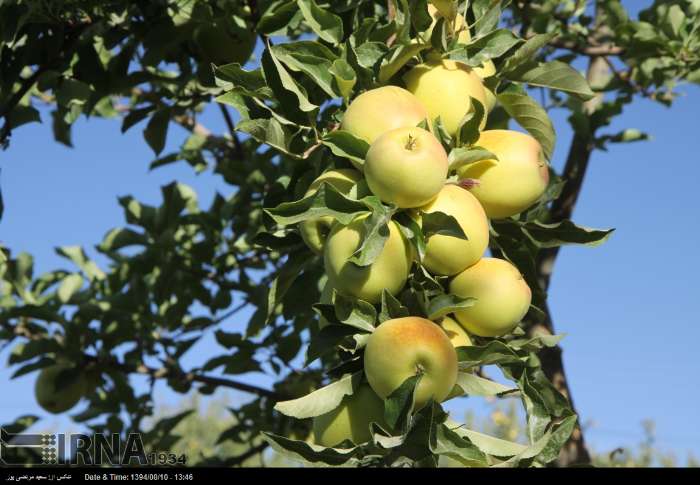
629	307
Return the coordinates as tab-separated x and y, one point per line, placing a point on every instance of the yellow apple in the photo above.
54	398
502	297
406	167
389	270
456	333
404	347
513	183
379	110
448	255
315	231
444	87
351	420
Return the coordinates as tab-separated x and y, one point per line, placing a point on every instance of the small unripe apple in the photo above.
406	167
351	420
404	347
315	231
389	271
221	43
456	333
54	397
379	110
448	255
502	297
513	183
444	87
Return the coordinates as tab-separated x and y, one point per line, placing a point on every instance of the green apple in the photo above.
224	42
502	297
351	420
315	231
379	110
448	255
456	333
406	167
55	398
389	270
513	183
404	347
445	87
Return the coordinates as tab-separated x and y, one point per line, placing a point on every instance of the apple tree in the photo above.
282	74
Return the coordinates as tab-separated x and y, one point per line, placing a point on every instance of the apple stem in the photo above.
411	143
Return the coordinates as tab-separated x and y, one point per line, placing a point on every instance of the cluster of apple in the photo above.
406	166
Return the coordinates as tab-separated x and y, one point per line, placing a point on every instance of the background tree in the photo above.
177	270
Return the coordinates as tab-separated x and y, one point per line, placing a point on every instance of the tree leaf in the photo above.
326	201
69	286
530	115
399	405
346	145
460	157
325	24
446	304
308	453
473	385
565	232
443	224
554	75
321	401
156	130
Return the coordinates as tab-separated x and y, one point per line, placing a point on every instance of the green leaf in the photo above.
269	131
69	286
80	259
321	401
473	385
307	453
412	231
494	352
292	96
446	304
487	444
277	17
345	77
251	81
446	442
346	145
325	24
530	115
527	52
487	14
375	232
156	130
295	264
565	232
326	341
354	312
554	75
397	58
312	59
399	405
469	127
391	308
491	46
461	157
326	201
442	224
